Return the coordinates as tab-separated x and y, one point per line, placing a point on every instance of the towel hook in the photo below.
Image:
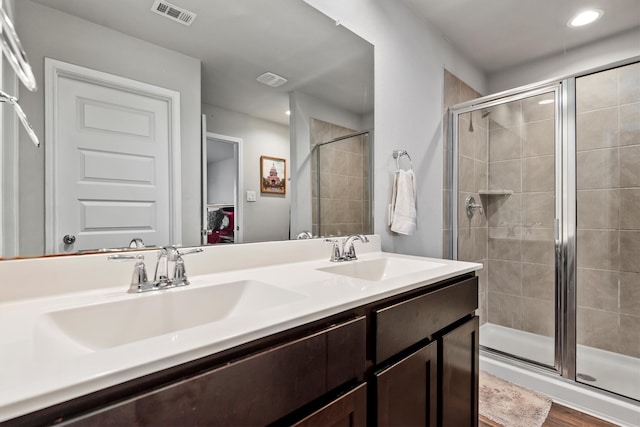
399	153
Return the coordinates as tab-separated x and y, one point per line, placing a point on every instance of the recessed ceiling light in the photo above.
546	101
288	113
585	17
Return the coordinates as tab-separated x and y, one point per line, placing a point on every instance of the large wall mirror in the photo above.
227	120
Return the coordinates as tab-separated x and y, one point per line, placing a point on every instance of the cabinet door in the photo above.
460	349
407	391
349	410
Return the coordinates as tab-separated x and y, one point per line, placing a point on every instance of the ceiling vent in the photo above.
271	79
174	12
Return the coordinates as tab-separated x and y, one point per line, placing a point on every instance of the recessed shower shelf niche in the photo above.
495	192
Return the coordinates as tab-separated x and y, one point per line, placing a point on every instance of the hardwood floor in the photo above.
561	416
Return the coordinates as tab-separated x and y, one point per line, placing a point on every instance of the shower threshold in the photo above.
603	369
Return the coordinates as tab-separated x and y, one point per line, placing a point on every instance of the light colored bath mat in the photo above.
511	405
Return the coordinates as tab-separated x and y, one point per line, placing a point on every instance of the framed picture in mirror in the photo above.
273	175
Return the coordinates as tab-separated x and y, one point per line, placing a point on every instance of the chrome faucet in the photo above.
136	242
161	277
167	254
348	252
161	273
304	235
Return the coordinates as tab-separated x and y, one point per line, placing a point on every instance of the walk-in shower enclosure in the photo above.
545	192
340	180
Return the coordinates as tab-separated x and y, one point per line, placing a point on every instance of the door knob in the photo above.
69	239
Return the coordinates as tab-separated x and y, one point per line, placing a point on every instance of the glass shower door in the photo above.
548	186
340	180
608	230
506	213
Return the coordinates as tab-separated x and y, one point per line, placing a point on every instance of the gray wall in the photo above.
611	49
409	61
220	176
45	32
268	217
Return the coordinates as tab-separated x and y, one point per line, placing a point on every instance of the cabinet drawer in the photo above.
256	390
408	322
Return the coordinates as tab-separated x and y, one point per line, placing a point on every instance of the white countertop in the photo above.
36	373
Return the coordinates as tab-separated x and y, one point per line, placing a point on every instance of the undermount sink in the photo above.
144	316
380	268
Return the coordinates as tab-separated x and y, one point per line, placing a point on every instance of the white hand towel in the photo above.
403	219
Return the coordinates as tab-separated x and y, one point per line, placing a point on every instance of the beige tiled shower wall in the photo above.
521	285
472	149
608	236
344	182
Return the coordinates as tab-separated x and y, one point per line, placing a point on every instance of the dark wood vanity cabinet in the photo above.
407	360
256	390
408	392
427	353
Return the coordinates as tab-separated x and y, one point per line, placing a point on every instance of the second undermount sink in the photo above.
380	268
111	324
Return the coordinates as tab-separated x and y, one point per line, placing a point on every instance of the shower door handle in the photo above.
557	239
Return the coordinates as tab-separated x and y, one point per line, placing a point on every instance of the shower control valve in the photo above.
471	206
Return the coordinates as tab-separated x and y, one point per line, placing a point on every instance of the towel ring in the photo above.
399	153
16	56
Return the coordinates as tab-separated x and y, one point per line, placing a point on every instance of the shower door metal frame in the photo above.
564	234
368	134
566	203
566	267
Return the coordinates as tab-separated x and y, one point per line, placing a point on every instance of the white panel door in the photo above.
113	166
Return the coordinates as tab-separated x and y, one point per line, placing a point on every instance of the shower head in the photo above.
483	113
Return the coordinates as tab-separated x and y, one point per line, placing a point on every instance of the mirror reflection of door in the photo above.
221	181
110	158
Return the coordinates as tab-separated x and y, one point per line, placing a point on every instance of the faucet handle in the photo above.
179	270
180	253
180	273
173	252
139	280
336	256
350	253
